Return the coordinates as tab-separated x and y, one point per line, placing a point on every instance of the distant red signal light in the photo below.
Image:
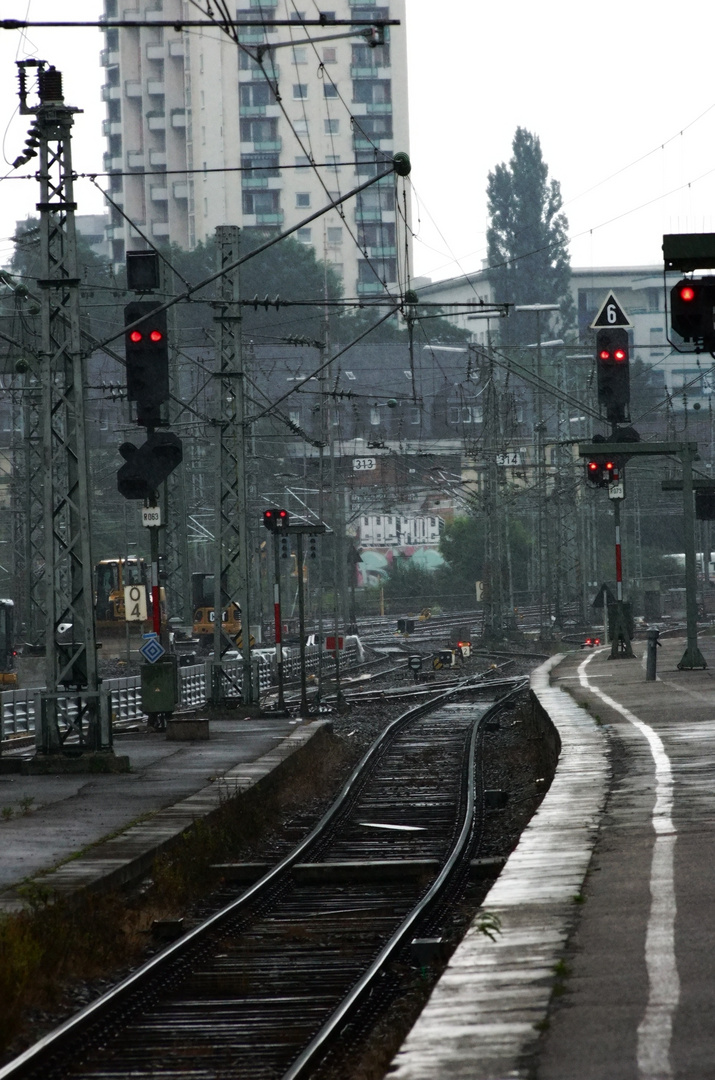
687	293
592	466
619	354
155	335
609	465
135	336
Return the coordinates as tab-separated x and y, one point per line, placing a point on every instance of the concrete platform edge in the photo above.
483	1019
129	855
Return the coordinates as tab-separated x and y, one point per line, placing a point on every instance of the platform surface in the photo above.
605	965
75	829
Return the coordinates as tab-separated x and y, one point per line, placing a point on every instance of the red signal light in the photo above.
155	335
687	293
604	355
609	465
135	336
283	513
592	466
619	354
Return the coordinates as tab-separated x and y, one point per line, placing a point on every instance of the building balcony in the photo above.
111	127
370	73
160	228
155	86
176	48
157	158
156	121
132	88
111	93
254	182
263	147
180	189
252	220
250	74
109	57
178	118
372	288
111	163
388	252
155	52
379	108
159	193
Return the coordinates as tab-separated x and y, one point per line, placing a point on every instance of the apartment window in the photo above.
374	127
300	91
365	57
333	162
263	164
337	268
300	55
332	127
301	127
259	130
329	90
372	91
382	269
330	56
374	200
297	16
252	94
302	199
464	414
335	234
303	236
261	202
380	235
302	161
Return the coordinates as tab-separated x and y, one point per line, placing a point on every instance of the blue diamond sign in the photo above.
152	649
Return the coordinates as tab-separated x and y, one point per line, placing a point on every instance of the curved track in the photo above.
261	988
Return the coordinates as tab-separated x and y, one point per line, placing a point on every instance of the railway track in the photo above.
262	988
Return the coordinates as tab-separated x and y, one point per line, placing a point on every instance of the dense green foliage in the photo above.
527	238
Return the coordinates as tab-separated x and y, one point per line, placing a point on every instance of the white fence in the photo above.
18	708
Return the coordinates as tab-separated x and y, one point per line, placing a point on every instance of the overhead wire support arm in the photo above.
400	165
186	24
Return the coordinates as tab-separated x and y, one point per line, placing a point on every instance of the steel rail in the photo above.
30	1062
306	1061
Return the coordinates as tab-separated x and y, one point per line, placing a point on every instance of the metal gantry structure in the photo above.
70	642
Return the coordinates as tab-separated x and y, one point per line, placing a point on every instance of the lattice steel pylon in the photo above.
231	570
70	703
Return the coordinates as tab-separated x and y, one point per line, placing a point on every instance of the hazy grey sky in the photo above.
603	86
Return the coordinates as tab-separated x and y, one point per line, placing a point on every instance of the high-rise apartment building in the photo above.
205	135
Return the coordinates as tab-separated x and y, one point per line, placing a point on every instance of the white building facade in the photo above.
640	291
196	126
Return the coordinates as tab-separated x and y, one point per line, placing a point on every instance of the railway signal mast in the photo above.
607	470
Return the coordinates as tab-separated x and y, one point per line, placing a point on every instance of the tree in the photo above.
527	238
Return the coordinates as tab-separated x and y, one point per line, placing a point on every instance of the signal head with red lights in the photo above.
147	358
612	364
276	519
692	311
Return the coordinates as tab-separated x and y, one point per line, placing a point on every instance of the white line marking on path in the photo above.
656	1027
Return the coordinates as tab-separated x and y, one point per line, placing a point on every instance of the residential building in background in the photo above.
640	291
195	123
